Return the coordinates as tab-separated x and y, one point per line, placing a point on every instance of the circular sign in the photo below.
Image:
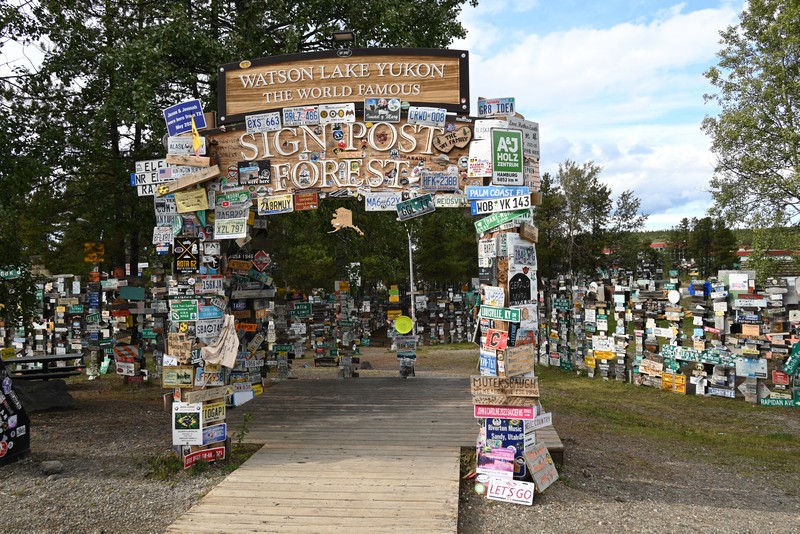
674	296
403	324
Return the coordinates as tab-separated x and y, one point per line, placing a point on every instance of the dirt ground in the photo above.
618	476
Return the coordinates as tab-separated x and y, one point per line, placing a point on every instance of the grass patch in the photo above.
446	347
168	466
723	431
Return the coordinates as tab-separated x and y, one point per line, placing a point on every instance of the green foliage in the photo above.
75	125
244	429
163	466
711	245
773	239
623	235
756	136
546	218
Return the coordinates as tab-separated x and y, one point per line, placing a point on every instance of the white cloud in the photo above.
628	96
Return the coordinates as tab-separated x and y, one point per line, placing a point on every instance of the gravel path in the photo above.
611	483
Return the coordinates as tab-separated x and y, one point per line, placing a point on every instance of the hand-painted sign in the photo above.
494	385
415	207
179	117
507	157
541	466
530	135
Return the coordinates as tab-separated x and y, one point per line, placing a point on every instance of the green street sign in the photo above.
511	315
301	310
183	310
669	285
148	333
10	274
674	272
93	318
496	219
75	308
282	347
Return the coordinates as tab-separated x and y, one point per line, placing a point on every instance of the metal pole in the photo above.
411	280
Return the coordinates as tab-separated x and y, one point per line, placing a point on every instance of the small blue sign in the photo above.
179	117
94	300
475	192
210	312
488	364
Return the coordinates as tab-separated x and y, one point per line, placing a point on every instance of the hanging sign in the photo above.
500	314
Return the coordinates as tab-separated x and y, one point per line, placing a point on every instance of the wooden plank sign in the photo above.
541	467
516	360
505	400
202	395
195	178
190	161
495	385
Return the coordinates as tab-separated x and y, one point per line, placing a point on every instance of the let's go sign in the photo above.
482	207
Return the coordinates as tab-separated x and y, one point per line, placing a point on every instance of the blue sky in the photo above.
619	83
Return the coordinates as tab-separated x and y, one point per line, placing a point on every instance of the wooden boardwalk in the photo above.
356	455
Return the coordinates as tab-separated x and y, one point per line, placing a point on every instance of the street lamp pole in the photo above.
411	281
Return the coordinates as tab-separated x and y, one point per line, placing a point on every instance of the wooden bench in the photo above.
50	368
325	361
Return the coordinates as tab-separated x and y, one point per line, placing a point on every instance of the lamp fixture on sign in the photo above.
343	40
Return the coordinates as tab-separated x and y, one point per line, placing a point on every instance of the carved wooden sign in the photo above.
422	77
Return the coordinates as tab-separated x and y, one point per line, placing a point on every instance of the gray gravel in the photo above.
611	483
